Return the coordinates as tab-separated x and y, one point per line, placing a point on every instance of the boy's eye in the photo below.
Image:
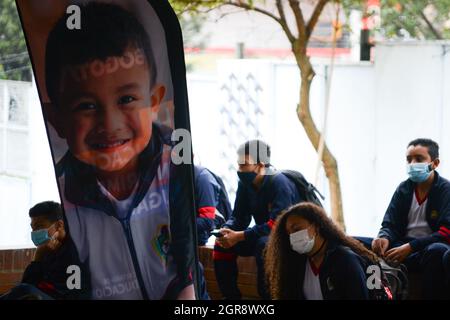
85	106
126	99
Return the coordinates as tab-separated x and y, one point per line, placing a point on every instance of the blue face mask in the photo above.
247	178
419	172
40	237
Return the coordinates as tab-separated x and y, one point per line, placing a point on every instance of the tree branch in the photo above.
246	6
295	6
419	11
195	7
435	32
315	17
283	22
280	20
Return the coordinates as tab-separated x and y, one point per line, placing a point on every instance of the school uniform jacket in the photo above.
148	254
276	194
206	198
437	214
341	275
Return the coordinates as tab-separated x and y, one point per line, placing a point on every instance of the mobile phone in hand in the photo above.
217	233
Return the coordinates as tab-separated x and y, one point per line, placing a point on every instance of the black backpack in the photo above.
306	189
393	282
224	206
382	290
397	280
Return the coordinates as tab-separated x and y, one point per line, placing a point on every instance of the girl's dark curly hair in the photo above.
282	263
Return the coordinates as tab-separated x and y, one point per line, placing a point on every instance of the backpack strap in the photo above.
306	186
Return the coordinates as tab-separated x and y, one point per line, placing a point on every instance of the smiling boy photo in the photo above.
115	178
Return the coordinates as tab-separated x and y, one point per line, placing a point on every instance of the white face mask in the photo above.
301	241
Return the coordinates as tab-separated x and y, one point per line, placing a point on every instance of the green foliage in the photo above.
424	19
420	19
14	61
197	6
192	27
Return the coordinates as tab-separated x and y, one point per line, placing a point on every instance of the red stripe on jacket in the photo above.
46	286
207	212
445	232
271	223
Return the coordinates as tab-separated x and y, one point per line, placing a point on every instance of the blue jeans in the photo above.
203	294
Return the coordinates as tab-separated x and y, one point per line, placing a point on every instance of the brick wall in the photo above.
14	262
12	265
246	278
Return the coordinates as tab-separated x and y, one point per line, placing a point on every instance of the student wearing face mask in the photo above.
416	226
309	258
261	194
46	276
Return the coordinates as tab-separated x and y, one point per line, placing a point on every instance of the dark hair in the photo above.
432	146
48	209
257	149
281	262
106	31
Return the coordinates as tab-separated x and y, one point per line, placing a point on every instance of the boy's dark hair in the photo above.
48	209
432	146
257	149
106	31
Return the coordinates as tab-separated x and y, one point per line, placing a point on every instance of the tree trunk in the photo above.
304	115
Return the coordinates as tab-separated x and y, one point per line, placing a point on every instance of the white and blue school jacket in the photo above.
136	255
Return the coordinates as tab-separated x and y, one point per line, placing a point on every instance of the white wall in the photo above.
375	110
34	180
411	101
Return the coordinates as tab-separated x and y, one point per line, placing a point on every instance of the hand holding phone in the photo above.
217	233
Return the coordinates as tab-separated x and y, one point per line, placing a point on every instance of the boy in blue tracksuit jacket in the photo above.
206	191
208	204
125	202
416	227
262	194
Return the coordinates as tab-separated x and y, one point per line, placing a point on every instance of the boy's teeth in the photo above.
110	145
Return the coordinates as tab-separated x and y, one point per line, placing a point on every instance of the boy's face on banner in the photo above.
106	109
108	99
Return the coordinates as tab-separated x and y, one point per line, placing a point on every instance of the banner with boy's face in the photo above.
108	73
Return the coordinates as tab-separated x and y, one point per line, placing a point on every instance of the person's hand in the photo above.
399	254
50	246
230	238
380	245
